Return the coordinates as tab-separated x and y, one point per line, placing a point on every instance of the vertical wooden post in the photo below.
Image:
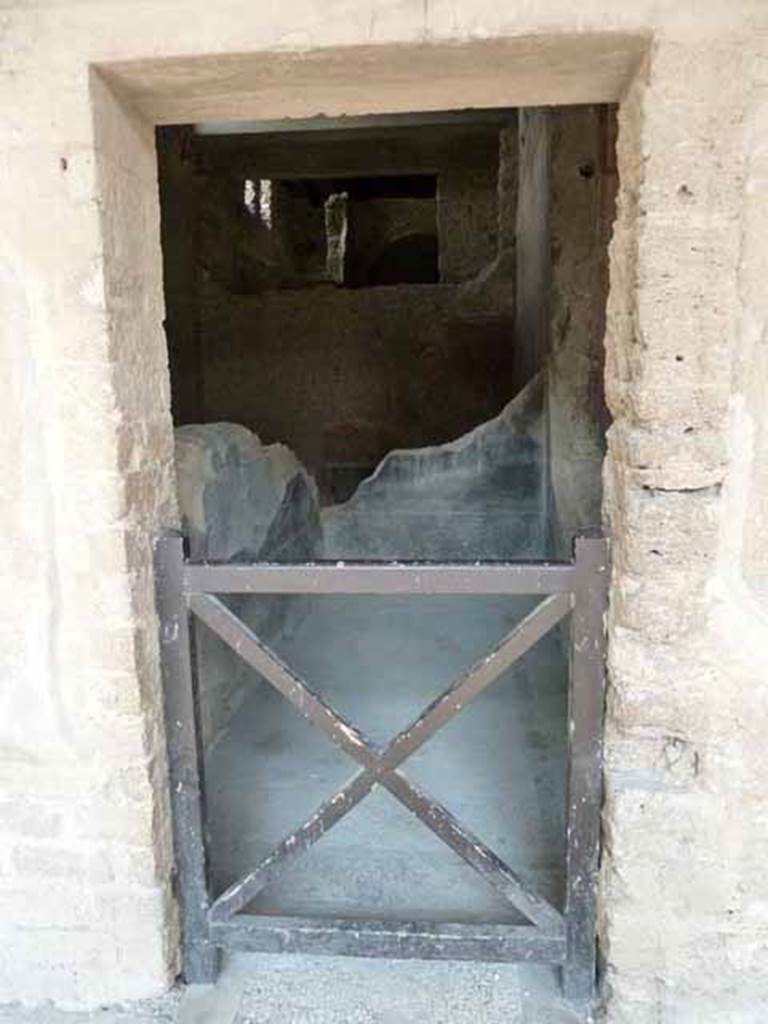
585	763
200	957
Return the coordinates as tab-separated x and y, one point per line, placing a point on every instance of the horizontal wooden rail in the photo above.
385	578
398	940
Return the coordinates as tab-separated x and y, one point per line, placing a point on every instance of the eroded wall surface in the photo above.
345	375
582	192
684	921
87	915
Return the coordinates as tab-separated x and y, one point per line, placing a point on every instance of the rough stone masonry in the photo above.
86	908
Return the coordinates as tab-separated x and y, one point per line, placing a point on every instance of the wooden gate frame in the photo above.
209	924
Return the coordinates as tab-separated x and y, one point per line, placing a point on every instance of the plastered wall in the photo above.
85	907
84	870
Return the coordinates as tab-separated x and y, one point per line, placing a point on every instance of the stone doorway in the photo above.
344	391
87	876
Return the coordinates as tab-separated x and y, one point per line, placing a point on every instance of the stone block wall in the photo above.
86	910
684	929
87	441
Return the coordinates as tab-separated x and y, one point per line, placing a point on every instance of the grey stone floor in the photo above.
262	989
164	1010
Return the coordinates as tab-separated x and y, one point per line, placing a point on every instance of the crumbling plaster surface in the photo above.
86	914
583	184
684	915
242	501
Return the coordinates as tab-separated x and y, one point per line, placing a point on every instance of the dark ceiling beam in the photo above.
376	122
407	150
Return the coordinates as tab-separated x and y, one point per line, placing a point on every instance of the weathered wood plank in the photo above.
585	766
383	578
401	940
184	766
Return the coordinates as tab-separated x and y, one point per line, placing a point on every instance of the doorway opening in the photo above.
385	339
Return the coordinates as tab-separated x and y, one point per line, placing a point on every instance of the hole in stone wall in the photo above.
375	230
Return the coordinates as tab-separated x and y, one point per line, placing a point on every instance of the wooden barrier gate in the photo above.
211	922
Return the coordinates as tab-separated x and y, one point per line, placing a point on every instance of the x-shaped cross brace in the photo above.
380	767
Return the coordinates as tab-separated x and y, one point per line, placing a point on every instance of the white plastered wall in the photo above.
85	903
